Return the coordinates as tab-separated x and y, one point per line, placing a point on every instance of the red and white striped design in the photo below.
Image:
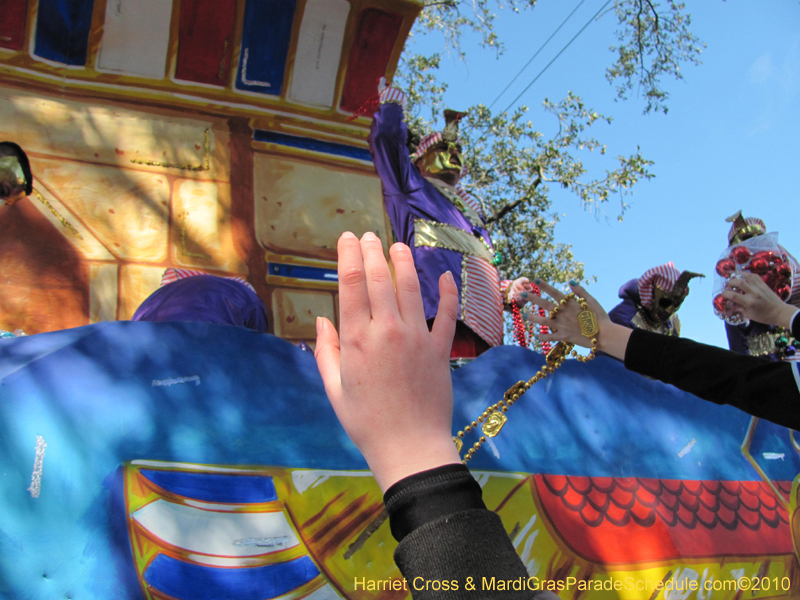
482	302
392	94
428	141
794	299
663	276
172	275
469	199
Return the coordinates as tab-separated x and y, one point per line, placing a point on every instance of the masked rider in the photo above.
759	339
652	301
443	224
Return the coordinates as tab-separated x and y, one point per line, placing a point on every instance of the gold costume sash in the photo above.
441	235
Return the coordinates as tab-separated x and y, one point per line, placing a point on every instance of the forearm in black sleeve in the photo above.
446	533
769	390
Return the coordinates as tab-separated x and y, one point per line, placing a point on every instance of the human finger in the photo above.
354	308
553	336
550	290
545	322
382	297
522	284
740	283
409	299
327	353
519	291
542	302
593	304
736	297
444	325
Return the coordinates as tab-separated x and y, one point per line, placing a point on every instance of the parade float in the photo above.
191	460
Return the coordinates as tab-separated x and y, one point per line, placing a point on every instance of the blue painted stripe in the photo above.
302	272
62	30
310	144
186	581
265	45
214	487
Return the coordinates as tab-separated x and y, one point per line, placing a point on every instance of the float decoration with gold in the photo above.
493	418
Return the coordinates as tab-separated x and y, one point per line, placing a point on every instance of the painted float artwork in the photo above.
196	461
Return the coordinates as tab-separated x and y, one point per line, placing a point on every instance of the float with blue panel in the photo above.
190	460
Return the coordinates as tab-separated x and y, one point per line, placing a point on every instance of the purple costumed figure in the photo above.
442	224
188	295
652	301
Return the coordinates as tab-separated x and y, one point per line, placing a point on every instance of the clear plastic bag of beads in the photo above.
759	255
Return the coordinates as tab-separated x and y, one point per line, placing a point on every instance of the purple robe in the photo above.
623	313
205	299
409	196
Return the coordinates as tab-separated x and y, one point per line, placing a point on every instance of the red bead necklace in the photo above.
519	326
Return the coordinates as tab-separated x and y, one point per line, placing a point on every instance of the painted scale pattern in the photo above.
668	518
323	515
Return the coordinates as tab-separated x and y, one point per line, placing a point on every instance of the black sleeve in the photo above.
796	325
769	390
447	534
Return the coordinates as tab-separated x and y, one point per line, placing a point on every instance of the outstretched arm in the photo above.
387	139
763	389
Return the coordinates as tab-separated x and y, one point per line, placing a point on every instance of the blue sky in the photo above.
729	141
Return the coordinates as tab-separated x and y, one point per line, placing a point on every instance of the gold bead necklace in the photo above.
493	418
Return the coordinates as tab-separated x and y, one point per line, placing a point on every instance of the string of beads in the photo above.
493	418
519	325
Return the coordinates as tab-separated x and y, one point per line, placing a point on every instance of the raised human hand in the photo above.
611	338
520	291
754	300
386	376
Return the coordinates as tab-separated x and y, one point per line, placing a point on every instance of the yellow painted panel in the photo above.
202	236
302	208
73	230
125	209
295	312
103	286
136	283
110	134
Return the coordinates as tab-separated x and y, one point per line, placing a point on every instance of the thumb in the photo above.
327	354
444	326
